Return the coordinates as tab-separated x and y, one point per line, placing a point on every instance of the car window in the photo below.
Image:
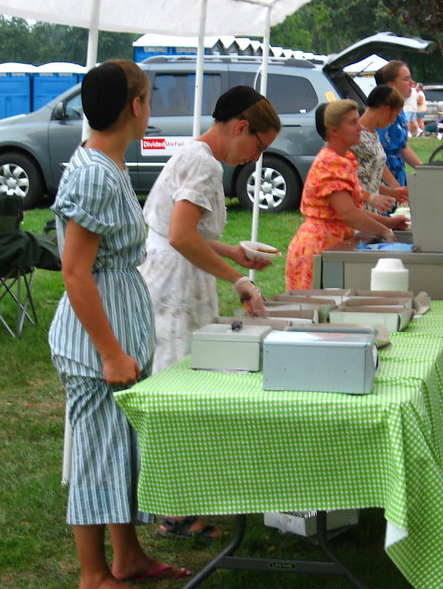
173	94
288	94
241	78
73	107
291	94
434	93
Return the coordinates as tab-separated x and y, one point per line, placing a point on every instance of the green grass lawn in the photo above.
423	147
36	547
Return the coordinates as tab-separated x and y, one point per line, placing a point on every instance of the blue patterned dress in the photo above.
394	138
98	196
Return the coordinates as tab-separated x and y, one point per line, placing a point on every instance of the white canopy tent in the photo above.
186	17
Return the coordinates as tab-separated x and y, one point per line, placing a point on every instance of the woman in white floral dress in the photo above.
186	215
384	103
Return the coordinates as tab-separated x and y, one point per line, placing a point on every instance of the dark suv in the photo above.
35	147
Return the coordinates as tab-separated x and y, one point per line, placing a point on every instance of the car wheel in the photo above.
19	175
280	186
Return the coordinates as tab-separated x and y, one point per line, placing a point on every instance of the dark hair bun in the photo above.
320	120
379	96
104	94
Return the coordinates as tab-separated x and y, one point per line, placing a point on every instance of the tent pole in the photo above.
198	97
91	56
259	164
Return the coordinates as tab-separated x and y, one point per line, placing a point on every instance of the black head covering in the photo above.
378	76
320	120
379	95
235	101
104	94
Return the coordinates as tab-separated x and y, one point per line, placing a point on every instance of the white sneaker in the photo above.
439	135
419	132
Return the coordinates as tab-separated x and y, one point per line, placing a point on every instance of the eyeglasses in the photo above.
261	148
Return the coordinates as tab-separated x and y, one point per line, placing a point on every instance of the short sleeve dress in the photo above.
184	297
322	228
394	138
371	159
97	195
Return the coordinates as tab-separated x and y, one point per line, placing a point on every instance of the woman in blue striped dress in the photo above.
102	337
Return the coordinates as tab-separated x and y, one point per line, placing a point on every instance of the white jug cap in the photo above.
390	264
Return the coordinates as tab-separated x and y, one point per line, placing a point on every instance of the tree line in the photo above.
321	26
41	42
329	26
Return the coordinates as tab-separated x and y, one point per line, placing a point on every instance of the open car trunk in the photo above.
387	45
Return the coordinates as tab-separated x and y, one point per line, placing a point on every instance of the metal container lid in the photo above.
235	331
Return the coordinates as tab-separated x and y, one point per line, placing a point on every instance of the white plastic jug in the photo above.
389	274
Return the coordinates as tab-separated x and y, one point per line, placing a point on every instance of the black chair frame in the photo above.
17	283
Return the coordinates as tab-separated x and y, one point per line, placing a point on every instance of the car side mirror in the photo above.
60	111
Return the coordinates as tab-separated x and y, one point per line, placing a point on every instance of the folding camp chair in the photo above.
16	275
15	286
20	253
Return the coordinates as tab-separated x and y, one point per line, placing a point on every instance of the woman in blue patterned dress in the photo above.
394	138
102	337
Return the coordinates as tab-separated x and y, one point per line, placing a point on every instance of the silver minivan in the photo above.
35	147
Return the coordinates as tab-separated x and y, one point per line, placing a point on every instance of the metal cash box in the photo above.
320	359
218	346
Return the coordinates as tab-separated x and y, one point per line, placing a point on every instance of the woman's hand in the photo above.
401	194
121	369
399	222
239	256
382	202
251	297
205	254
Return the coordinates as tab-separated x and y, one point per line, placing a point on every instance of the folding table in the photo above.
246	450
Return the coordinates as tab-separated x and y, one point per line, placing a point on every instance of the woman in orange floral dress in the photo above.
332	199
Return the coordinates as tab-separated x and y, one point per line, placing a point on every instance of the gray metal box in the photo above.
426	202
319	359
217	346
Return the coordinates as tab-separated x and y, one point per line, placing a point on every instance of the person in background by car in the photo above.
394	138
421	109
186	214
332	199
102	337
410	110
384	104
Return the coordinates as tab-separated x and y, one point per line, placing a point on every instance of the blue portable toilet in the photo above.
15	88
51	79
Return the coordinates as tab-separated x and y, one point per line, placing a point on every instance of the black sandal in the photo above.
173	528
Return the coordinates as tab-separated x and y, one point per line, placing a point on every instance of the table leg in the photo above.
214	564
322	537
226	559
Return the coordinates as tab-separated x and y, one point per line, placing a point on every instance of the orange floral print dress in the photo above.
322	228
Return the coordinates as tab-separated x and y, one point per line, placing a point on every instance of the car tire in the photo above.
19	175
281	186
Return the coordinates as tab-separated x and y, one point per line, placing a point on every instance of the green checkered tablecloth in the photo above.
217	443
